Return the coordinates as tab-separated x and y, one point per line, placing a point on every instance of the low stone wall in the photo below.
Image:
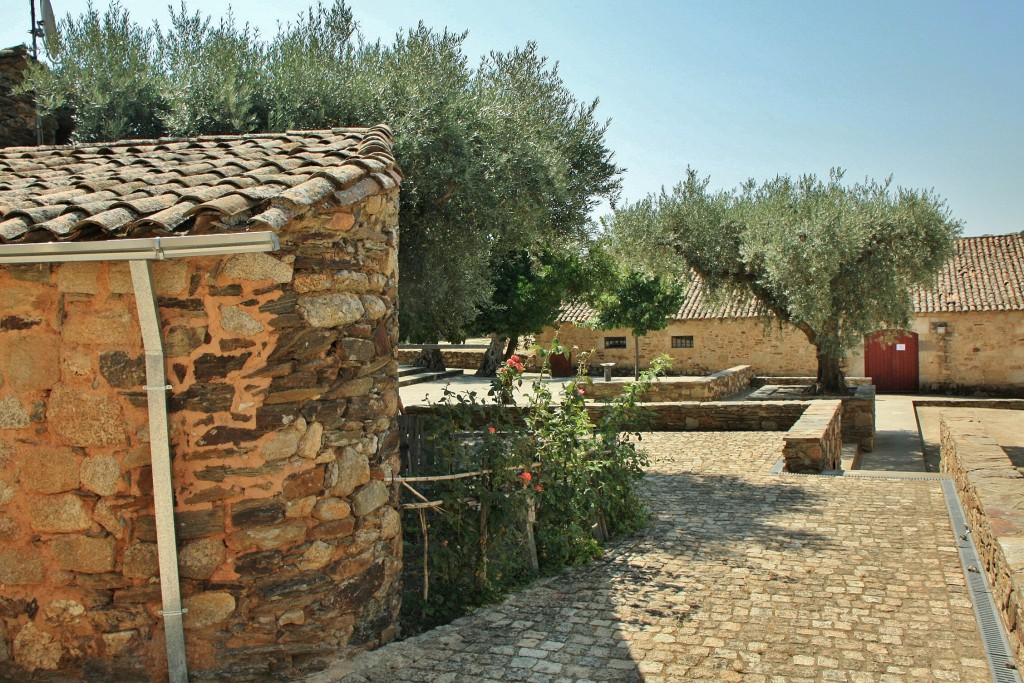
718	416
762	380
815	442
467	359
990	490
675	389
858	409
994	403
706	416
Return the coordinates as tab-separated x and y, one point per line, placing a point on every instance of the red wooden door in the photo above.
892	366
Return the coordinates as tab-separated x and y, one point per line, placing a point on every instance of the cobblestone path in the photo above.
742	576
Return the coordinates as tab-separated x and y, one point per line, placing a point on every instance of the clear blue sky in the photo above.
929	91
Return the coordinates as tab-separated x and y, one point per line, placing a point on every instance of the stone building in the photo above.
17	111
272	262
967	330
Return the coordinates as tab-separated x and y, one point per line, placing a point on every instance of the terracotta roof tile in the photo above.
140	187
985	274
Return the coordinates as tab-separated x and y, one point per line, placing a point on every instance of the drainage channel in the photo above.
993	634
997	647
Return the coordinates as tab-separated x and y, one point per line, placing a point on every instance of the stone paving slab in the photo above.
741	576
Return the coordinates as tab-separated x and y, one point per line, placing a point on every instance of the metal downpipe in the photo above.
160	454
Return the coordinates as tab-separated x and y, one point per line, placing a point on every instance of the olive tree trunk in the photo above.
493	357
430	359
831	379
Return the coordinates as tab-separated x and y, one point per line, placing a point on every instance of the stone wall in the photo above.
815	442
858	424
718	416
17	112
979	351
674	389
758	382
717	343
467	359
283	408
990	490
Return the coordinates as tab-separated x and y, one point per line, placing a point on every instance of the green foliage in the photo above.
211	75
496	158
577	474
529	288
106	70
640	302
837	261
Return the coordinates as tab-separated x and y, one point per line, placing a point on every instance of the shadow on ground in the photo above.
588	622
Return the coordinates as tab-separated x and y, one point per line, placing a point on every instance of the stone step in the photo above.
406	370
427	376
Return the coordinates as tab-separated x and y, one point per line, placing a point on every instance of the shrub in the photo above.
546	461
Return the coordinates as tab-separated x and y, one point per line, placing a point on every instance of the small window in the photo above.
614	342
682	342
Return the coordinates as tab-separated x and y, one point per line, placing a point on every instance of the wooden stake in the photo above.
426	556
531	544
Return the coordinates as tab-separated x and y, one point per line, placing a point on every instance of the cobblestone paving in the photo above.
742	576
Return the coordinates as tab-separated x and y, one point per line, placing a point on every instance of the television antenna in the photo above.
45	28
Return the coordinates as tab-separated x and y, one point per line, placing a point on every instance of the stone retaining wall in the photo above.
758	382
467	359
991	490
858	410
283	408
815	442
675	389
707	416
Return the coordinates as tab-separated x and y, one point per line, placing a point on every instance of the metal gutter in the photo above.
138	253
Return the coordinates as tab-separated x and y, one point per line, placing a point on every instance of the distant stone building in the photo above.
18	113
966	334
280	375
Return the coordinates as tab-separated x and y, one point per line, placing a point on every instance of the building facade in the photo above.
968	330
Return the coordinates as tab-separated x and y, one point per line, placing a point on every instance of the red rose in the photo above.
526	476
491	430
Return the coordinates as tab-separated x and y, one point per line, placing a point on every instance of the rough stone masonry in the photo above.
283	408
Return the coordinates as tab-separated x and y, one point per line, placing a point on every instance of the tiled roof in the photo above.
694	307
142	188
985	274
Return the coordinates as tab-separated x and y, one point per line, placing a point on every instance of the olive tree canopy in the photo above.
836	261
498	157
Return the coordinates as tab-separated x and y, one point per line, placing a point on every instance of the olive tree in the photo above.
836	261
497	157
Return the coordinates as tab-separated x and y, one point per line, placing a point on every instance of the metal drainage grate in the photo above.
997	647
